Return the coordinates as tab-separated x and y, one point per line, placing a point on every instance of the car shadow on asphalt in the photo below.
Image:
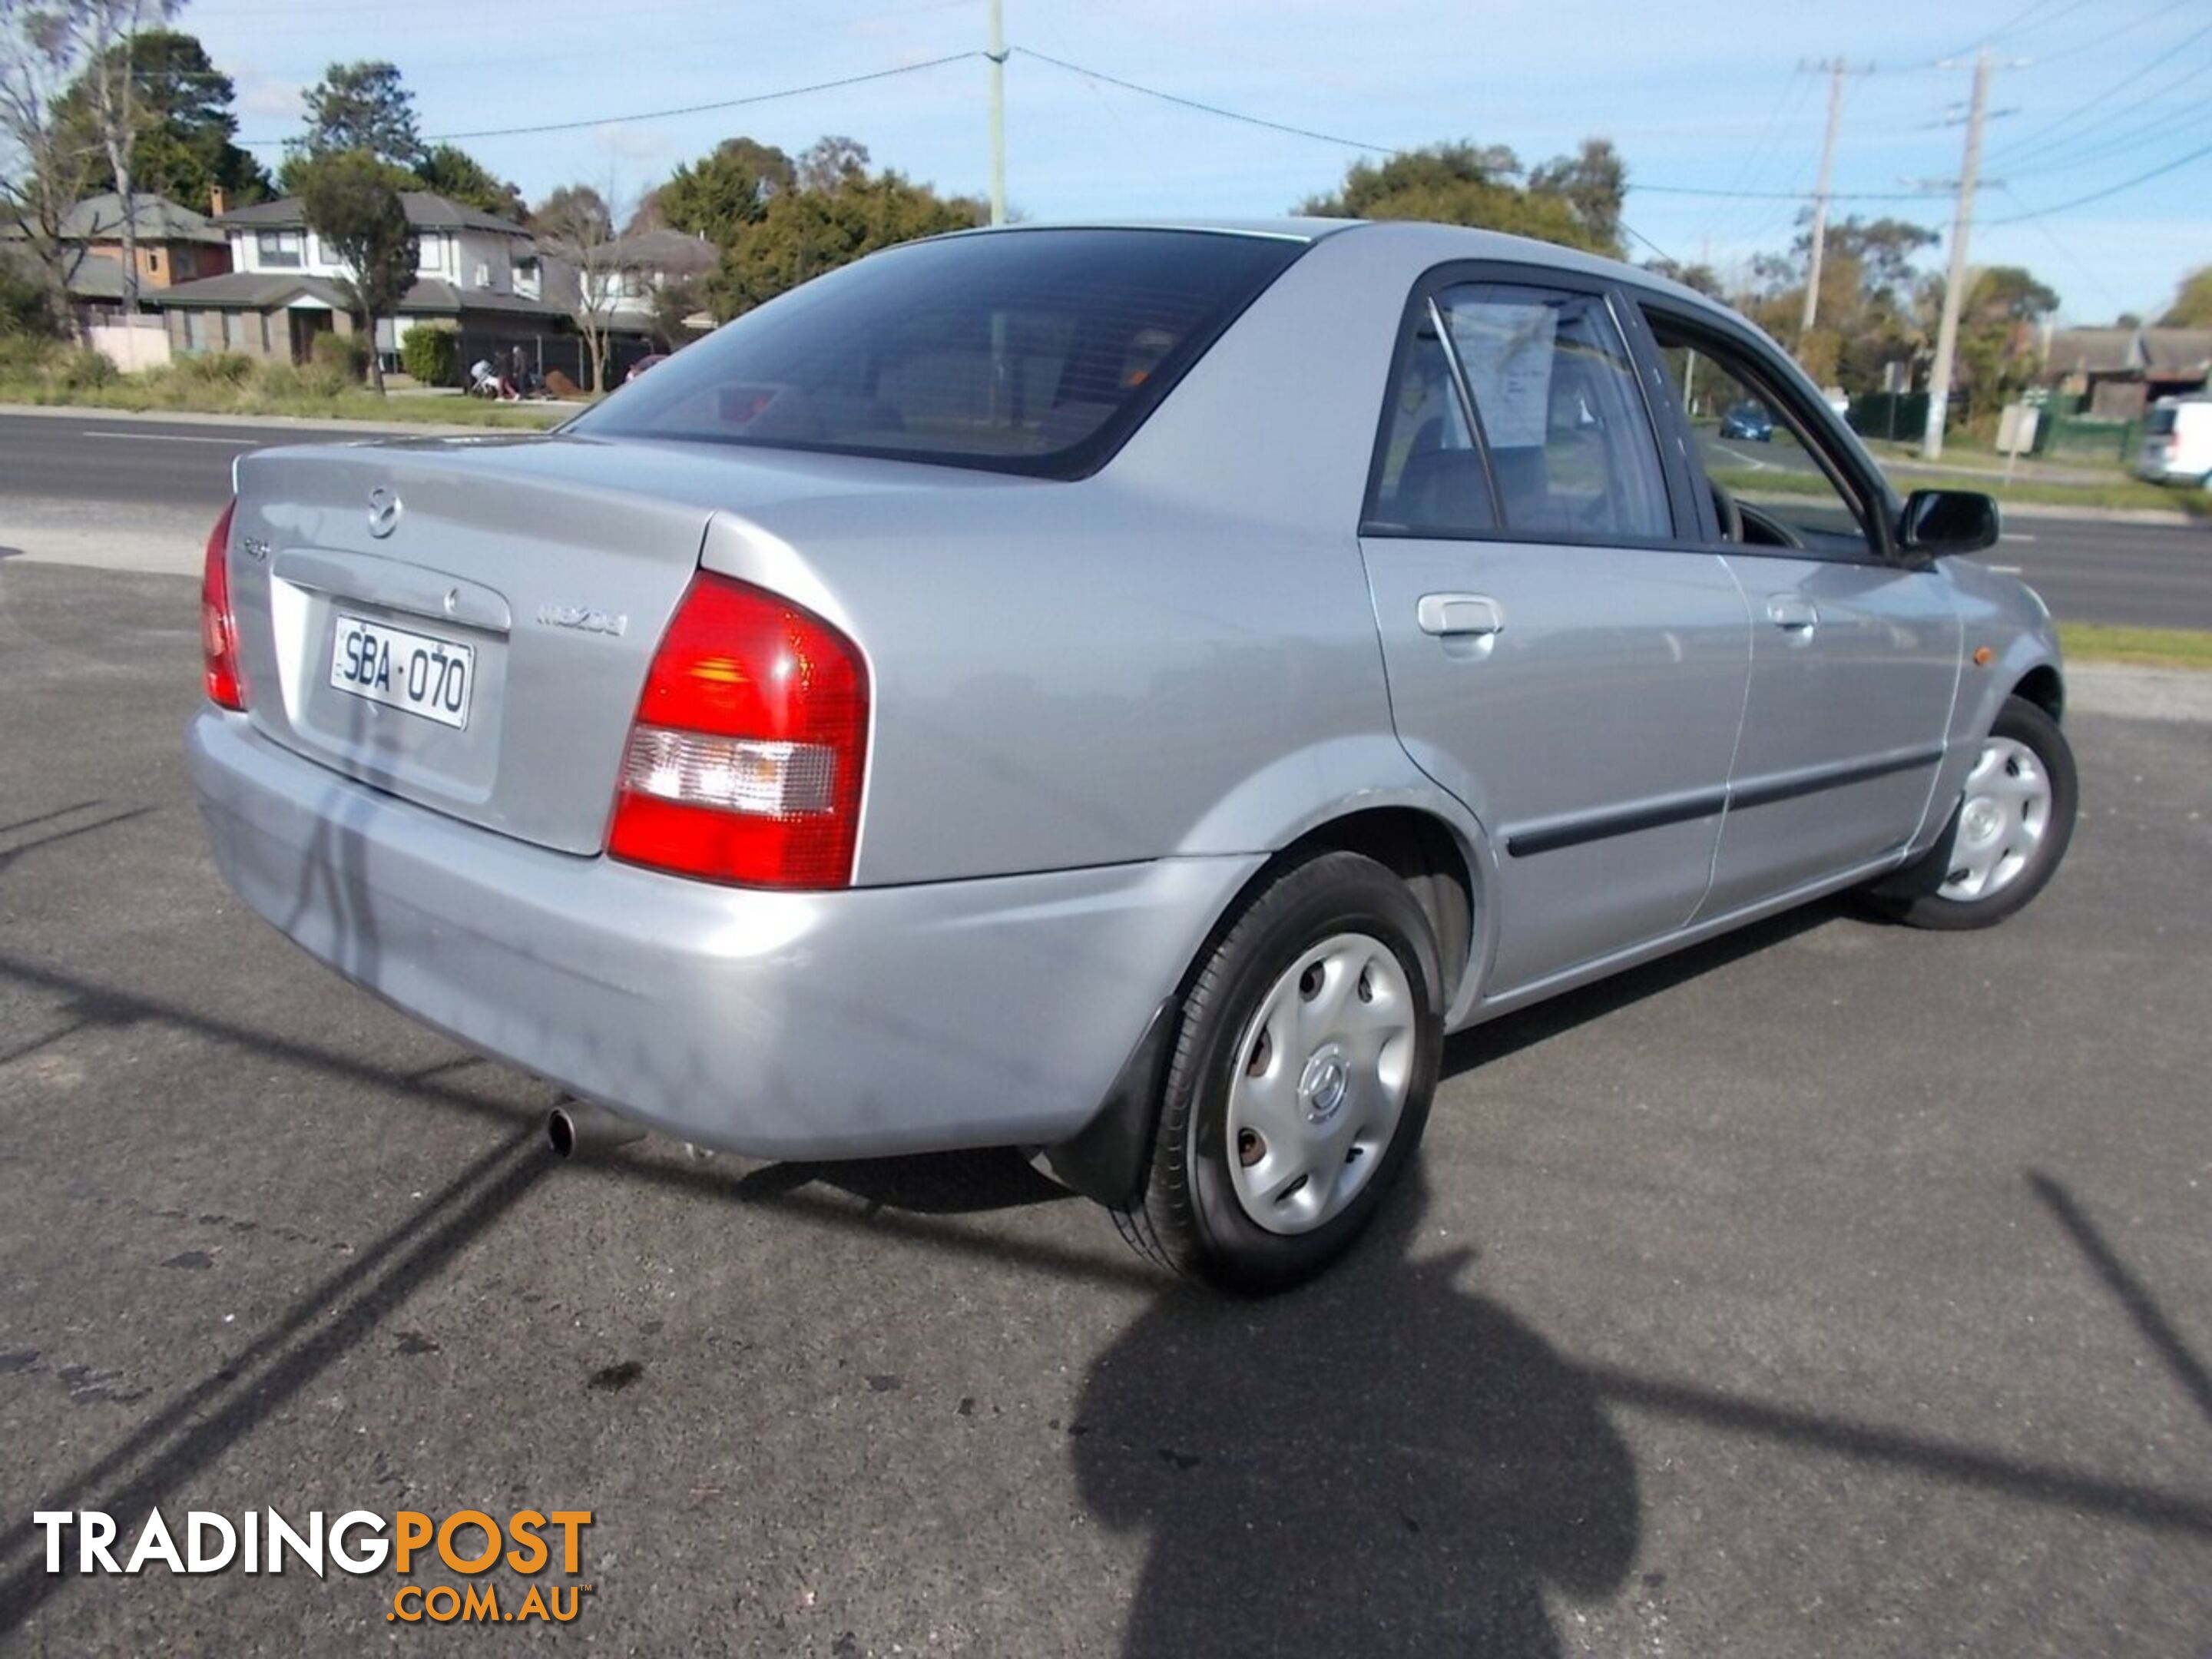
1556	1016
1382	1462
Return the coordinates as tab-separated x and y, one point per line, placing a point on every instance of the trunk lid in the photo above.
525	584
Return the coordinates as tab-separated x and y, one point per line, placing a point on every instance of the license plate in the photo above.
413	672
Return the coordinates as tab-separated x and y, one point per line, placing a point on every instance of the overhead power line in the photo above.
2041	141
2105	37
2173	165
687	109
1208	109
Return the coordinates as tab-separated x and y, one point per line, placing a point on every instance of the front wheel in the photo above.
2007	834
1300	1081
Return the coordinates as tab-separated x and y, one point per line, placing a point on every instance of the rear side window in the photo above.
1571	449
1560	445
1432	478
1033	352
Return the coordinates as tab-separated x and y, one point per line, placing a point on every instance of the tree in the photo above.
2192	301
456	175
44	160
109	30
186	148
351	199
576	225
836	212
1574	201
357	107
1870	315
1998	345
1592	181
1702	277
719	194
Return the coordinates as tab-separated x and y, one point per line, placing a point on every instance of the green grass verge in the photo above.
227	383
2125	494
358	404
2142	647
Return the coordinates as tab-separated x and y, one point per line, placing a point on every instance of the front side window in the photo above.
1772	487
1025	351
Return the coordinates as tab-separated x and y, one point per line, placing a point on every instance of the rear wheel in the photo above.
1300	1079
2007	834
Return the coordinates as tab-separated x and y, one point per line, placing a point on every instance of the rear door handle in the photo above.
1458	616
1798	615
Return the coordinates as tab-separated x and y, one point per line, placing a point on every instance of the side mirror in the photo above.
1940	522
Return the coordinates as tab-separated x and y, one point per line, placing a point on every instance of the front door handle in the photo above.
1459	616
1787	612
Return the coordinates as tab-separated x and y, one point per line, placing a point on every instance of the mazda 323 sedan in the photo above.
1125	691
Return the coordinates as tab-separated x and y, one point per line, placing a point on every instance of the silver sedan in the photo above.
1124	691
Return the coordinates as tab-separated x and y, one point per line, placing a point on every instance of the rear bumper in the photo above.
855	1023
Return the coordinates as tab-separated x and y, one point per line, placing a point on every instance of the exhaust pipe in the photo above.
575	1128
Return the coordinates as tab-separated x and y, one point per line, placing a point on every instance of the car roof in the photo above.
1434	243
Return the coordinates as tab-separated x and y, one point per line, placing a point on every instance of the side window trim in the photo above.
1468	410
1697	520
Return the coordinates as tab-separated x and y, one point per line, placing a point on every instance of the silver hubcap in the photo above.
1323	1072
2001	823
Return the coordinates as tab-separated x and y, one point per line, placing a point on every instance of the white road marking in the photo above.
2009	535
1750	461
2006	570
173	438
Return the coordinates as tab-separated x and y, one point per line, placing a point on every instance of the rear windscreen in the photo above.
2159	422
1031	351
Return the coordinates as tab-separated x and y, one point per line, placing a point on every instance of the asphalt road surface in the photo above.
1832	1290
129	477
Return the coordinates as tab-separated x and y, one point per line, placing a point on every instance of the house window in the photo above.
432	257
278	248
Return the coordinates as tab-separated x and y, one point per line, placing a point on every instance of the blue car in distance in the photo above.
1748	421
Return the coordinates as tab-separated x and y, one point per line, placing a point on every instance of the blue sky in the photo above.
1698	95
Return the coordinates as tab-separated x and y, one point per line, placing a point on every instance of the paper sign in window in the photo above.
1507	351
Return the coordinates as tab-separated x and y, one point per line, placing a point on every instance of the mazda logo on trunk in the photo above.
383	511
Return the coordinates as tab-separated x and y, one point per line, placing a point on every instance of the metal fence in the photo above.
1898	416
2086	437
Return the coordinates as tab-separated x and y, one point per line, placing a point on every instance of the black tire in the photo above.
1187	1216
1914	896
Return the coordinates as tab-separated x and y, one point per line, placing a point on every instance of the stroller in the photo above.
485	381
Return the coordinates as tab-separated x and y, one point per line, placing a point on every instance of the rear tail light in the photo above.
744	763
226	685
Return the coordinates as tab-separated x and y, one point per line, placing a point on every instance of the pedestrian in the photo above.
521	375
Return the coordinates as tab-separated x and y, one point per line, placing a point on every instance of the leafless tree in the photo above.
109	30
580	225
44	160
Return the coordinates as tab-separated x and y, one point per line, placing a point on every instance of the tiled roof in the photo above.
265	290
99	218
425	212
